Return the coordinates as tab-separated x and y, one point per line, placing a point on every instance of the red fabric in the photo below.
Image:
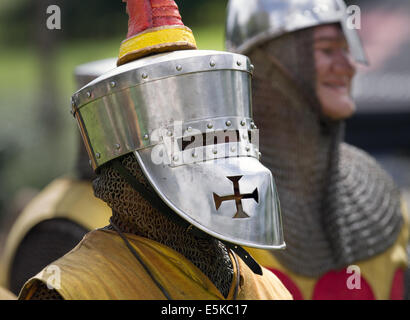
288	283
333	286
397	290
140	16
145	14
166	21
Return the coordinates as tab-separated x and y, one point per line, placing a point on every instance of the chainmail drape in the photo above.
133	214
338	205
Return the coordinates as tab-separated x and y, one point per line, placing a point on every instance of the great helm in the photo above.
174	112
252	22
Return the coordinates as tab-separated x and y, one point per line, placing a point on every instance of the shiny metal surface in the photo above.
182	193
252	22
243	142
174	111
159	67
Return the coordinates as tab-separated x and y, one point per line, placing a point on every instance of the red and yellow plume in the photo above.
154	26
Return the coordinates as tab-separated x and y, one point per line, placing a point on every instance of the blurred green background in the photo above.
37	132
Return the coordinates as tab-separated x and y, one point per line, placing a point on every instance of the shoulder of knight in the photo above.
83	273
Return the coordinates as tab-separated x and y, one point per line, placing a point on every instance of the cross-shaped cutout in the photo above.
238	197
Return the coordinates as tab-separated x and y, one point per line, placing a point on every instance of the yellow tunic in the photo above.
378	272
101	267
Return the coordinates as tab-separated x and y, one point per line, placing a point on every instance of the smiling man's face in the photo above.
334	72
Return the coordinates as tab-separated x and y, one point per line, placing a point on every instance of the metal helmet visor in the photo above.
232	199
252	22
186	116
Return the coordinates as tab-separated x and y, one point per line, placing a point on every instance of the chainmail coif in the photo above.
133	214
338	206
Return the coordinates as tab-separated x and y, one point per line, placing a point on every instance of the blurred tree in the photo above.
46	42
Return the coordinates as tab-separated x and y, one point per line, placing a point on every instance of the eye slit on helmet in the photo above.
209	138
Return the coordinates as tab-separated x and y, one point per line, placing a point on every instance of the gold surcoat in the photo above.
101	267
